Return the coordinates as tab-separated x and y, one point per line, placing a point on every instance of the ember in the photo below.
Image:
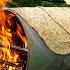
13	42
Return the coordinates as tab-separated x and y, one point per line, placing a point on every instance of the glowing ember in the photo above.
10	33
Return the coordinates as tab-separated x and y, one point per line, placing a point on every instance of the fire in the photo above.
7	32
3	3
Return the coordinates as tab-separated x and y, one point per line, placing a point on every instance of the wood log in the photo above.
8	63
16	48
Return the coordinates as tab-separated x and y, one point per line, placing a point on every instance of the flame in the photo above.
3	32
6	35
3	3
19	32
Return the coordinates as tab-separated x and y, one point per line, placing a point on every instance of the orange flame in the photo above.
3	3
6	36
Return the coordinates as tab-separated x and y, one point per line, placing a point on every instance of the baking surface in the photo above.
52	24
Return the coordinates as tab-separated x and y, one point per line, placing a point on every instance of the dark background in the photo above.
34	3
